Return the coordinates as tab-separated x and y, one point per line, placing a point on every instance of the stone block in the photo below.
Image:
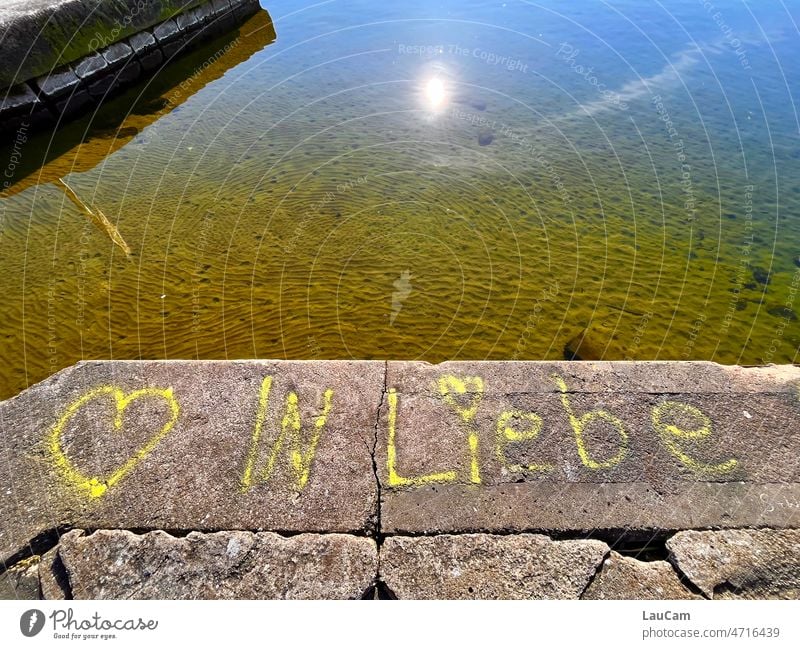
222	565
16	100
256	445
740	564
504	446
142	42
117	54
59	82
628	578
485	566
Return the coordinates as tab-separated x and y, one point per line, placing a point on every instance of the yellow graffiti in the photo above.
396	480
579	425
669	431
506	434
472	385
261	413
290	427
96	486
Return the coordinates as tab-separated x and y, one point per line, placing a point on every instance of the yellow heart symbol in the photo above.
96	486
472	385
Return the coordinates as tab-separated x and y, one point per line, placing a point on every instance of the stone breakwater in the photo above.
62	58
345	479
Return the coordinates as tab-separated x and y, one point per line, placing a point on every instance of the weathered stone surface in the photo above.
627	578
223	565
166	31
459	447
90	65
221	6
740	564
504	446
117	53
17	99
21	581
142	42
40	34
53	579
195	451
188	21
483	566
203	13
58	82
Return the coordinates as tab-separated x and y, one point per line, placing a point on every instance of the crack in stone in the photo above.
684	578
378	512
37	546
60	575
596	572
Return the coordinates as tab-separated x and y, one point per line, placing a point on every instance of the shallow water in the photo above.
305	197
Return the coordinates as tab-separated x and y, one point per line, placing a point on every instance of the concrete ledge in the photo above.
402	449
40	35
107	46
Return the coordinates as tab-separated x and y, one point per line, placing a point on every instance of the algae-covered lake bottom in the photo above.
459	181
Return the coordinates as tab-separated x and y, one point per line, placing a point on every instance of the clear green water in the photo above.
302	197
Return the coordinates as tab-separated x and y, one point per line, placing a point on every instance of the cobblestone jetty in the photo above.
61	57
477	479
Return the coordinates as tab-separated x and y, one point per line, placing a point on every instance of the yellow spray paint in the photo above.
451	386
96	486
261	413
290	428
506	434
669	433
579	425
395	479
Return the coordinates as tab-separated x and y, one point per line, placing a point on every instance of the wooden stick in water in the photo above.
96	216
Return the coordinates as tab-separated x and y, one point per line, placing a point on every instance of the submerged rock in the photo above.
782	312
761	276
594	343
485	138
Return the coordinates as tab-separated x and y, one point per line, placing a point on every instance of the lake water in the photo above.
417	180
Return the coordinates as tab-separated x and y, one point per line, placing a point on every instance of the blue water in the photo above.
436	180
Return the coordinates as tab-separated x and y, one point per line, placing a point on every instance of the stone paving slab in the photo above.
628	578
282	446
740	564
484	566
504	446
223	565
